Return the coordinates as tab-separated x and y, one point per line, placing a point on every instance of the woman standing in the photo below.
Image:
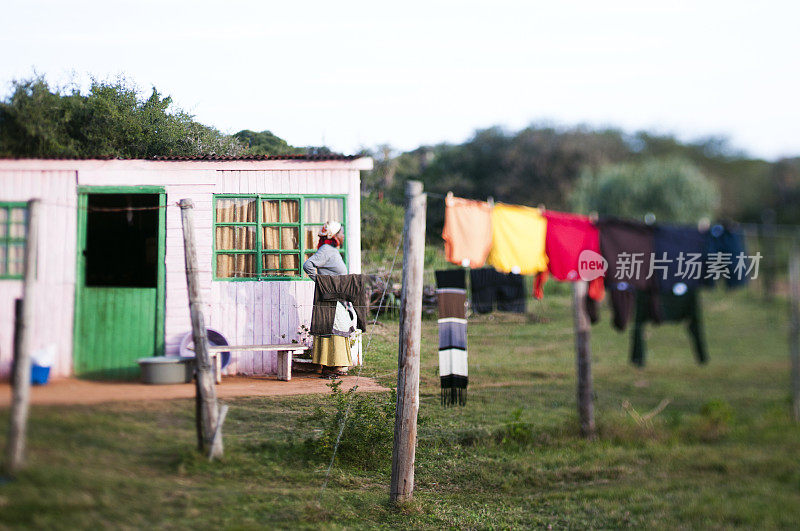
332	352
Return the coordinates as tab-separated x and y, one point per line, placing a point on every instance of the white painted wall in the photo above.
260	312
245	312
55	268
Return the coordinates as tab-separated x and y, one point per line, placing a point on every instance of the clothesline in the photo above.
107	209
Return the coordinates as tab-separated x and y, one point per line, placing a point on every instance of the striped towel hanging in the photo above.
453	375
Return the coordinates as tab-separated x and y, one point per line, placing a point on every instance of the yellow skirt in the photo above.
333	351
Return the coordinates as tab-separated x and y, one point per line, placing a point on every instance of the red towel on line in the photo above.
567	236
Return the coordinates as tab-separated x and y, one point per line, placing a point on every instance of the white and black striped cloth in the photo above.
453	373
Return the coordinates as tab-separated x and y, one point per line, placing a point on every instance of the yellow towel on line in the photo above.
518	234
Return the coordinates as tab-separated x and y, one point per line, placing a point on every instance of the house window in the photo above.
13	235
269	237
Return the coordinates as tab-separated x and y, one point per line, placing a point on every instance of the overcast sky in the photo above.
351	74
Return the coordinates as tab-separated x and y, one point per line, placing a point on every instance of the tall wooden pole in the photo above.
794	331
23	344
405	420
583	359
207	410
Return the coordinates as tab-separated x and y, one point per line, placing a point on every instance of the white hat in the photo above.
330	229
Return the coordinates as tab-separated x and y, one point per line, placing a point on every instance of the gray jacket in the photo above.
326	261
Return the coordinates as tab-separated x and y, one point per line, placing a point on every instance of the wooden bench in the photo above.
285	353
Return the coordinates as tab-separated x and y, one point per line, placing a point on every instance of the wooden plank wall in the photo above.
245	312
54	297
271	312
178	184
177	322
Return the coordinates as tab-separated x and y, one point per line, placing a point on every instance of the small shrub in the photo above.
516	432
717	412
713	423
366	441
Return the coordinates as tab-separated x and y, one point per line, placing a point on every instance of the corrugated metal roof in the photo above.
212	158
332	156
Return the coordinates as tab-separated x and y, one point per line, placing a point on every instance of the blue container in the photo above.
39	374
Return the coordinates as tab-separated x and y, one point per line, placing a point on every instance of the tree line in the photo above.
112	120
578	168
606	171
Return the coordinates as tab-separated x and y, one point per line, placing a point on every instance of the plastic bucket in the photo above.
39	374
166	369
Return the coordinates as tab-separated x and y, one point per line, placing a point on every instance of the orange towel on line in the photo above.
467	231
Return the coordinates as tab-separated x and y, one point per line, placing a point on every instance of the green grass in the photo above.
723	453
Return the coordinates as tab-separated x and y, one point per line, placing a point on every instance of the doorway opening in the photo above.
122	240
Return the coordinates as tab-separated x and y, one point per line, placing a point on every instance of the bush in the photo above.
366	441
673	189
381	224
516	432
111	120
713	424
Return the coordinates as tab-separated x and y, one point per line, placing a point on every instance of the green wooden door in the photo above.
119	307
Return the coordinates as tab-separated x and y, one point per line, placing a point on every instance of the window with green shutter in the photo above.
13	235
267	237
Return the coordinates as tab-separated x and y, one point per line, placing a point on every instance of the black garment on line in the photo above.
619	236
511	293
722	238
490	286
482	283
451	278
592	308
669	242
672	308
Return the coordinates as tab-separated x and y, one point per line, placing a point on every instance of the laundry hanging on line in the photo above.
566	238
492	289
332	291
518	240
620	238
467	231
728	240
667	287
453	362
672	307
681	250
645	264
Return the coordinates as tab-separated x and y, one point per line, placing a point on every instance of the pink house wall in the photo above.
245	312
54	295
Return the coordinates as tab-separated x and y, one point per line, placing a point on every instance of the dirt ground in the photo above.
71	391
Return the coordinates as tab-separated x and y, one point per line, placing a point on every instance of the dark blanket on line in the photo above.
672	308
328	289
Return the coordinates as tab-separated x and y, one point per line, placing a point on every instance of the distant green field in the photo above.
723	453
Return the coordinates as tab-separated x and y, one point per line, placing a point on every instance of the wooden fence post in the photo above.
405	421
21	378
794	331
769	244
583	359
207	410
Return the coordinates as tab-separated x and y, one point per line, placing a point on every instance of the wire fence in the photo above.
358	375
775	242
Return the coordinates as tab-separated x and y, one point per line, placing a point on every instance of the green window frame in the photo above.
263	249
13	238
